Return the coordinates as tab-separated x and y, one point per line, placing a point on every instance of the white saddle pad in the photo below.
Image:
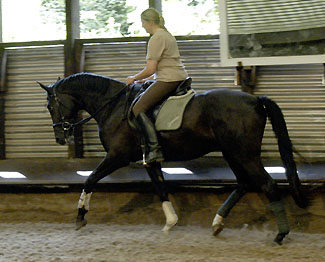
171	113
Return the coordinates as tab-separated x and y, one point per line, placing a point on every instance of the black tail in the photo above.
279	127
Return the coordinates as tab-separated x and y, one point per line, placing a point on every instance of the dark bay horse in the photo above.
218	120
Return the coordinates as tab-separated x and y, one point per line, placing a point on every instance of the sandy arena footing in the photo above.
127	227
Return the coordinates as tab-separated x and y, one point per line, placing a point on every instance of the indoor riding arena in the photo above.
251	49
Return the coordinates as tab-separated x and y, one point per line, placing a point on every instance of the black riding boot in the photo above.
149	132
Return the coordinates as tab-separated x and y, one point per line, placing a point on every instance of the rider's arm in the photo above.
152	77
148	71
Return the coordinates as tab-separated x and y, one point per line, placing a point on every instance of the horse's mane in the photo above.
88	81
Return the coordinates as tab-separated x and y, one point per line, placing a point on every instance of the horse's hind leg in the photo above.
278	210
276	206
232	200
154	171
262	179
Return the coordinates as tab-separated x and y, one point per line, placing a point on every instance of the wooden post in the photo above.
156	4
71	65
323	78
2	127
1	21
79	56
3	89
73	32
78	132
2	98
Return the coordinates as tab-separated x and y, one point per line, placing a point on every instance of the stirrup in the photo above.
153	156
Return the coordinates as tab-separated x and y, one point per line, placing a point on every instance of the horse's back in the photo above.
227	113
221	103
229	98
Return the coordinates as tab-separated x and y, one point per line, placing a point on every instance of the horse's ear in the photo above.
59	78
46	88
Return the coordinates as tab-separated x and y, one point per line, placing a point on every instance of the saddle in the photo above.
168	114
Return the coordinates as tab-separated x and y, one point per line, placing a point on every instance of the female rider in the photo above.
163	61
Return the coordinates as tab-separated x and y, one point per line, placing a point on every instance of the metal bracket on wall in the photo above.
246	77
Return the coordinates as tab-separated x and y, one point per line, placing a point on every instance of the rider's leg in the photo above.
154	94
148	130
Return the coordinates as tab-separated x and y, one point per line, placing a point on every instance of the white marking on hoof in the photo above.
171	217
217	225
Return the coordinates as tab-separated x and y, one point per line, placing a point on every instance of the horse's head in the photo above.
63	110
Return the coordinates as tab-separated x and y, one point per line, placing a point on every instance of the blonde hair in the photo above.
152	14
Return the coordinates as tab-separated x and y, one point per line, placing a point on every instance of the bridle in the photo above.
65	124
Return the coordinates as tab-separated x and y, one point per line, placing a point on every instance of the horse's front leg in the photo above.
154	171
106	167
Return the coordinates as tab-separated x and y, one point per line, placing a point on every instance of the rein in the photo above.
66	125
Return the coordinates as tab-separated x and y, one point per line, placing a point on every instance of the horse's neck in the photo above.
95	103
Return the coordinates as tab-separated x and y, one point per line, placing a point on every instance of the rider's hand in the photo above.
130	80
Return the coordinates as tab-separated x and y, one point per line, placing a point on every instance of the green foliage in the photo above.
95	15
109	18
196	3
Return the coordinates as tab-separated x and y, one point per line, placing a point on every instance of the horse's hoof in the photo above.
169	226
171	217
166	228
278	239
81	223
217	225
216	229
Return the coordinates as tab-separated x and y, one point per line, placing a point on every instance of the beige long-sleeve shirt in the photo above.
163	48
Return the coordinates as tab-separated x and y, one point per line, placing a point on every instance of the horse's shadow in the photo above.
139	201
146	203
